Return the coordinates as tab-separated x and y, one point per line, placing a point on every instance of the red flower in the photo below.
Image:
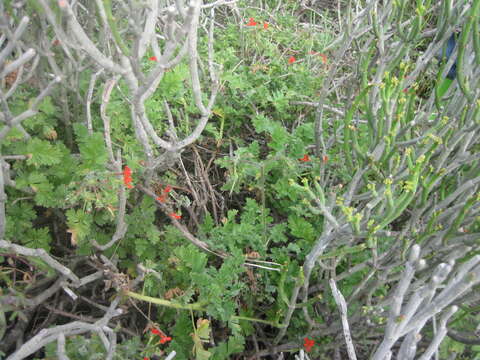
305	158
291	60
155	331
164	339
152	58
146	358
405	90
162	198
265	25
251	22
325	159
175	216
308	344
324	58
127	177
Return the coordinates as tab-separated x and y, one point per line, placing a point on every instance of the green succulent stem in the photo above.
193	307
113	27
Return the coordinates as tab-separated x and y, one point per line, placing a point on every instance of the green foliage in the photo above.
270	192
92	148
80	223
43	153
216	287
143	236
233	345
172	85
20	217
182	342
92	348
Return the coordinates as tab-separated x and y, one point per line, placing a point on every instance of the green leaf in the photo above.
172	83
208	224
192	258
203	329
235	81
38	238
43	153
225	350
80	223
201	334
92	148
301	228
47	106
280	136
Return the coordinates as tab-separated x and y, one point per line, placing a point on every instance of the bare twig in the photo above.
88	101
42	254
342	307
121	227
46	336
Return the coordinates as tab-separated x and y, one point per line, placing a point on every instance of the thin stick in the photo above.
342	306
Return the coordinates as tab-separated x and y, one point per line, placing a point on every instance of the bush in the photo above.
227	180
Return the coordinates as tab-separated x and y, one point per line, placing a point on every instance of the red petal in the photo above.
265	25
152	58
155	331
167	189
165	339
291	60
308	344
127	177
305	158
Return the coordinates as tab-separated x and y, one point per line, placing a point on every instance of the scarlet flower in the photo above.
251	22
164	339
167	189
305	158
291	60
325	159
324	58
175	216
127	177
265	25
308	344
146	358
161	198
152	58
155	331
